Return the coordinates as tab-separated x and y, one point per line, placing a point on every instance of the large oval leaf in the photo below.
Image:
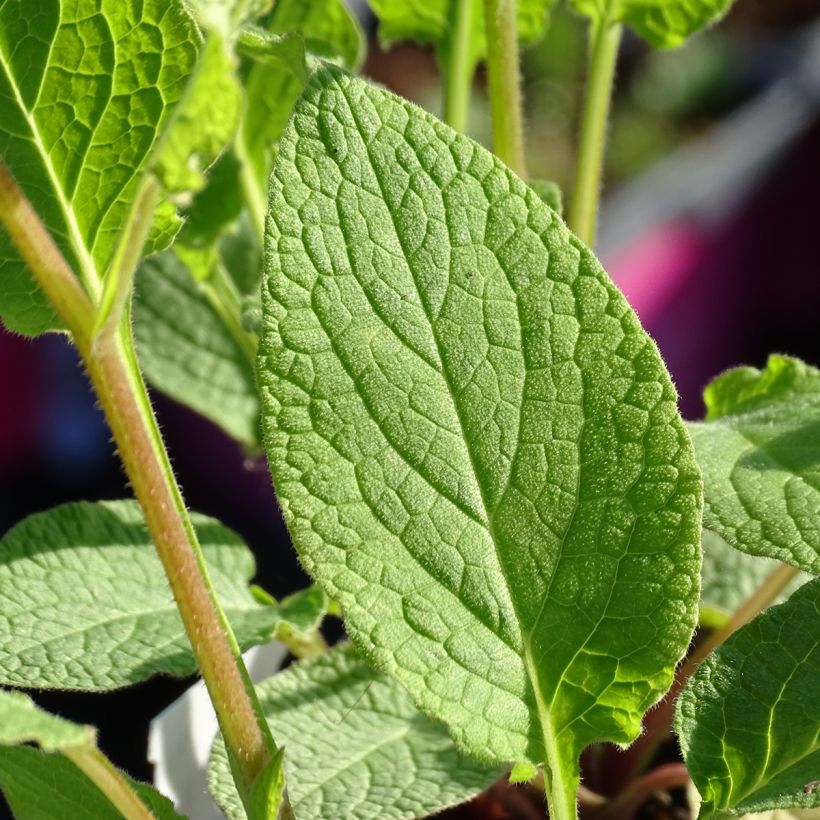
749	718
474	443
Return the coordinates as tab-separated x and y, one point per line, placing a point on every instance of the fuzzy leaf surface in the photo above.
355	746
662	23
187	351
86	91
759	450
21	721
84	602
474	443
749	718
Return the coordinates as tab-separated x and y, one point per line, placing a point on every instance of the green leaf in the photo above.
355	747
759	451
749	718
204	122
427	22
662	23
86	92
187	351
49	786
282	51
85	603
474	443
330	31
23	722
550	193
730	576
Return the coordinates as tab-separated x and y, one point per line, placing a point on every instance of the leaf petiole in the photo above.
458	64
605	38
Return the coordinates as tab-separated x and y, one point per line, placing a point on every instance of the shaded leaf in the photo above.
759	451
663	23
187	351
730	576
84	602
355	747
21	721
474	443
749	718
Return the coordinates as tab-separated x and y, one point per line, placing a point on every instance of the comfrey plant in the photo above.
474	443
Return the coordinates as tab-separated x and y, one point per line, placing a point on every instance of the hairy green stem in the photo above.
110	781
249	185
505	86
111	361
457	63
223	297
605	37
119	280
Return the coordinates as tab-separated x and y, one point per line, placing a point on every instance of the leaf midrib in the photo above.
542	709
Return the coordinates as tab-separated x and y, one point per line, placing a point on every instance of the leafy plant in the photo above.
474	443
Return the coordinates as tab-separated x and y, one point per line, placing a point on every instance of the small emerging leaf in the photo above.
354	746
84	602
475	444
662	23
749	718
550	193
759	450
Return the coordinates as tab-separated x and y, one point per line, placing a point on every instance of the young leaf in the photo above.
86	91
354	746
187	350
330	31
730	576
549	192
749	718
49	786
662	23
759	450
85	603
474	443
427	21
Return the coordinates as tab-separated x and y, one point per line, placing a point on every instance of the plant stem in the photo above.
249	185
505	86
110	781
45	261
658	721
765	595
605	37
624	804
119	281
457	64
223	297
111	362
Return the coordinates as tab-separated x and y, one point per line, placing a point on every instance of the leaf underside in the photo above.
86	89
85	604
475	445
749	719
355	747
759	451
